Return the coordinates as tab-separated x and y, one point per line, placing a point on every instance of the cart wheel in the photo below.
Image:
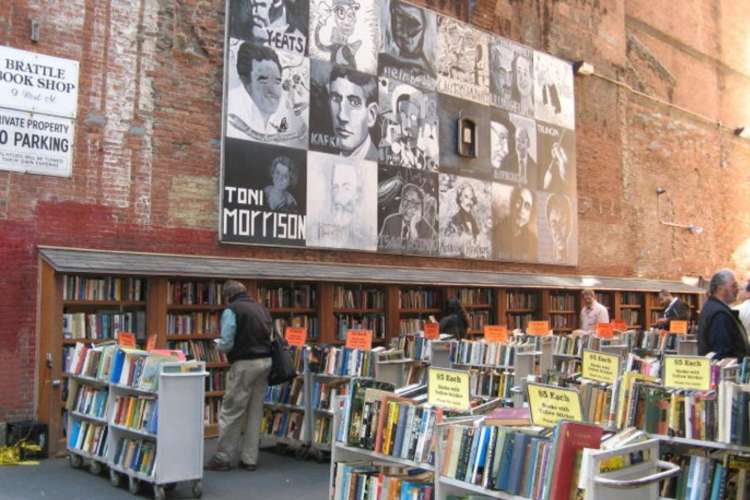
95	467
159	493
115	479
170	486
198	489
322	457
133	486
75	460
301	453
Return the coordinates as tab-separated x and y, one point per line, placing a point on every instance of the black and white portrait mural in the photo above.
264	194
462	60
342	202
553	91
346	33
268	95
465	217
409	126
512	77
383	126
279	24
557	158
514	230
407	210
557	225
409	44
344	102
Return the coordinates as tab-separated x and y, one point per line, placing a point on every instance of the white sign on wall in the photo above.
35	143
38	83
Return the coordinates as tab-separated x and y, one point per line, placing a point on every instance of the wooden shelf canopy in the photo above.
73	260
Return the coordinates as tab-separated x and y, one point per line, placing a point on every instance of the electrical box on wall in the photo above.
467	138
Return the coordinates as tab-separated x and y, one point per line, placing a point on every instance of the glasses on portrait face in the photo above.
346	13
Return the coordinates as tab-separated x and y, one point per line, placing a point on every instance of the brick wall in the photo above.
146	158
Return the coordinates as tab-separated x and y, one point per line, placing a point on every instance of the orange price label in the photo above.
619	325
359	339
538	328
605	330
431	331
295	335
679	327
125	339
151	343
496	333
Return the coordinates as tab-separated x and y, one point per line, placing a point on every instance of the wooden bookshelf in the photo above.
411	306
503	306
561	308
480	304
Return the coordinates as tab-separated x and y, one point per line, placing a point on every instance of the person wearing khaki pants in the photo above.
246	338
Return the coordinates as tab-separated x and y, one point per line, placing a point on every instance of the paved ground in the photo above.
279	477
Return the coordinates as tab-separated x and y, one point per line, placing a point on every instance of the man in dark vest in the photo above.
720	330
246	338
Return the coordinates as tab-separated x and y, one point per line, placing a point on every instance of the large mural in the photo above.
343	123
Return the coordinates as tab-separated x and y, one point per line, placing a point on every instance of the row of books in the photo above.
323	393
414	347
419	299
311	323
522	300
331	360
136	368
201	350
631	317
519	321
562	301
197	323
491	383
93	362
475	296
517	462
563	321
632	299
719	477
408	326
91	401
379	420
358	298
194	293
596	403
655	340
377	483
572	346
567	367
103	324
299	296
105	289
216	380
478	319
137	413
88	437
290	393
374	322
211	411
479	353
322	429
282	423
136	454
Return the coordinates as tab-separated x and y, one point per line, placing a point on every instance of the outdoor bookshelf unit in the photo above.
156	271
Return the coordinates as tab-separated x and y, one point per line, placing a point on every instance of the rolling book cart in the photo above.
146	435
177	442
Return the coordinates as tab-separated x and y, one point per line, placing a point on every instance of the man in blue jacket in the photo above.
720	330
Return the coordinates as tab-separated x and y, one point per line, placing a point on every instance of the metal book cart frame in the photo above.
178	438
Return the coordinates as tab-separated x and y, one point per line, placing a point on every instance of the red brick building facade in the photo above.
671	83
